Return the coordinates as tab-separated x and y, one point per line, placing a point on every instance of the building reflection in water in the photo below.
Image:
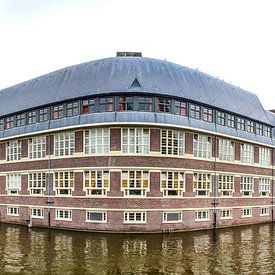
240	250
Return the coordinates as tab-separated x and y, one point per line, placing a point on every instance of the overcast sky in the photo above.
230	39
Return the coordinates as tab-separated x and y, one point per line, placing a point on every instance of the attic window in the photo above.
135	84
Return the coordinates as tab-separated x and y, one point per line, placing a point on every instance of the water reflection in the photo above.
241	250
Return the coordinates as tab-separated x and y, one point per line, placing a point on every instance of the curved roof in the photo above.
115	75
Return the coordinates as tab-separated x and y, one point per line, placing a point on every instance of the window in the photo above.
97	183
88	106
171	217
264	156
172	142
264	186
106	104
72	109
64	144
220	118
180	108
32	118
240	123
43	114
226	150
267	131
13	184
246	186
10	122
246	212
259	129
202	215
202	146
145	104
172	183
13	150
13	211
37	147
250	126
58	111
135	140
202	184
37	213
231	121
37	183
264	211
64	183
247	153
195	111
164	105
207	114
134	217
126	103
20	120
226	185
97	141
1	124
98	216
135	183
225	214
64	215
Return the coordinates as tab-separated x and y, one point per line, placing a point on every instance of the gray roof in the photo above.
115	75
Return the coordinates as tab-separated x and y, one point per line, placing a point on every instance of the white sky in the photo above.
230	39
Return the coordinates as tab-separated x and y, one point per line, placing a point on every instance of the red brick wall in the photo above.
155	185
237	151
50	144
78	141
189	143
256	154
155	140
2	151
115	139
24	148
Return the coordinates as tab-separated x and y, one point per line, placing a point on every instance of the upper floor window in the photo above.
106	104
247	153
226	150
13	151
172	183
220	118
43	114
32	117
37	147
97	141
126	103
202	146
145	104
172	142
250	126
164	105
231	121
2	126
10	122
259	129
195	111
37	183
135	140
202	184
264	156
264	186
64	183
97	182
58	111
72	109
180	108
13	184
88	106
240	123
20	120
207	114
226	185
267	131
247	186
64	143
135	183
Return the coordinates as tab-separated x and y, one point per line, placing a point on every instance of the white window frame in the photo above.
58	188
247	153
167	213
264	186
264	156
37	213
246	212
13	150
130	217
103	213
264	211
64	144
226	150
37	147
202	215
13	183
135	140
226	214
172	183
96	182
13	211
202	184
246	186
65	212
226	184
202	146
37	181
172	142
97	141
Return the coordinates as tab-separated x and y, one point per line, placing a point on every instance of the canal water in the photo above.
239	250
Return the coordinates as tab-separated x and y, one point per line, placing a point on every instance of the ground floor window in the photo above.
37	213
134	217
226	214
13	211
170	217
247	212
65	215
202	215
264	211
96	216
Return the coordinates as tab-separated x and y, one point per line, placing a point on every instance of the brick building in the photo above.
133	144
